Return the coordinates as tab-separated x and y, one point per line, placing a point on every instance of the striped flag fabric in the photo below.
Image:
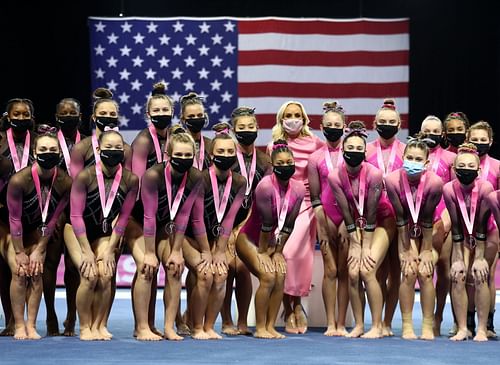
256	62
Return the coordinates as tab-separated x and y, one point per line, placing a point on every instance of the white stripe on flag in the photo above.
320	74
321	42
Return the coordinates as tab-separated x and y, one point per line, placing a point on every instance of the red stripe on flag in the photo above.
323	27
267	121
334	59
327	91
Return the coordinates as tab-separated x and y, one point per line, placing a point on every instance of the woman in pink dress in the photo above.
441	163
415	193
262	239
386	153
368	217
331	231
481	135
292	125
456	125
473	250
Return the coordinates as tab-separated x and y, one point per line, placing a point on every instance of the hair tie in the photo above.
224	131
46	129
467	150
356	131
279	145
107	129
389	106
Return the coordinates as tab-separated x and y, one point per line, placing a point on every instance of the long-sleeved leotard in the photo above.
482	215
441	162
386	154
86	210
144	153
490	170
207	142
156	206
318	171
24	204
264	209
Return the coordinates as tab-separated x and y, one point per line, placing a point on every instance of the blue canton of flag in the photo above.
128	56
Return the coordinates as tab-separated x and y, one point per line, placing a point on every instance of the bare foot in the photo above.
20	333
52	328
230	330
244	331
8	331
427	333
183	329
69	328
453	330
156	331
460	336
147	335
291	324
262	333
481	336
276	335
105	333
32	333
374	332
355	332
213	335
341	331
86	334
97	335
491	334
408	332
171	335
331	331
200	335
387	331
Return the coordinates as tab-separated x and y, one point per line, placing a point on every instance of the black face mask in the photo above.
21	125
284	172
102	122
68	124
333	134
455	139
224	163
466	176
353	158
482	148
436	140
48	160
195	124
246	138
387	131
112	158
161	121
181	164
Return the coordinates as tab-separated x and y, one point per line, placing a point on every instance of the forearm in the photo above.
281	243
403	238
17	242
264	238
426	238
479	250
149	245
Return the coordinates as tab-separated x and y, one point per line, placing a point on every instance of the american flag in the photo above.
259	62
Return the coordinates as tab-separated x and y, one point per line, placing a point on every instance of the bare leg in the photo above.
227	320
392	295
18	295
406	301
33	302
459	302
5	280
53	256
71	281
428	301
493	295
329	289
442	243
243	296
342	289
290	321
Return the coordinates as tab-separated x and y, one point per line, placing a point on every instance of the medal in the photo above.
170	228
414	207
44	208
415	231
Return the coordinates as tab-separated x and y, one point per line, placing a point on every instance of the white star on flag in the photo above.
203	73
214	108
126	28
204	28
112	85
178	27
150	74
229	27
226	97
176	74
216	85
190	61
99	27
163	62
112	38
124	74
112	61
164	39
100	73
177	50
229	48
123	97
99	50
136	108
136	85
217	39
125	51
189	85
139	38
190	39
137	61
123	120
152	27
228	73
216	61
151	51
203	50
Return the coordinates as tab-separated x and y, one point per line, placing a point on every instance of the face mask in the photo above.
68	123
455	139
181	164
333	134
246	138
224	163
161	121
387	131
292	126
112	158
353	158
48	160
195	124
284	172
413	168
21	125
482	148
466	176
103	122
436	140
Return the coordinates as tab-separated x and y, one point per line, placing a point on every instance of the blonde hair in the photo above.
483	125
160	93
388	104
279	133
177	134
467	148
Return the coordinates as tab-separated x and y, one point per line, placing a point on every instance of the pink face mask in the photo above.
292	126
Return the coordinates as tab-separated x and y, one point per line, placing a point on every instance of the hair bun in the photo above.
159	89
221	127
389	104
356	124
467	148
102	93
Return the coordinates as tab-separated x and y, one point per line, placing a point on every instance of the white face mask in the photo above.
292	126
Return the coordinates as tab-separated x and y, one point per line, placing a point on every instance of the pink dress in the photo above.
320	190
299	249
441	162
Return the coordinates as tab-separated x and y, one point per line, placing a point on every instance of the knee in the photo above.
205	279
424	278
267	279
354	278
367	274
330	274
220	279
89	282
18	280
409	279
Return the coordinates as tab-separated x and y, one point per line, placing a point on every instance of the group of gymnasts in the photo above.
384	213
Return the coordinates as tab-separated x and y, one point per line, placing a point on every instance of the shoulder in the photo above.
485	187
392	179
448	188
130	177
142	138
372	172
449	156
316	156
238	179
20	178
298	188
83	145
262	156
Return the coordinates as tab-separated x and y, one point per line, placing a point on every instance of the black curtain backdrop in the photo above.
454	47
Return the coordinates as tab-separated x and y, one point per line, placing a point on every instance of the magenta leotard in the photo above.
490	170
320	190
86	211
374	210
372	157
156	206
431	195
441	162
144	153
264	211
451	200
23	202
